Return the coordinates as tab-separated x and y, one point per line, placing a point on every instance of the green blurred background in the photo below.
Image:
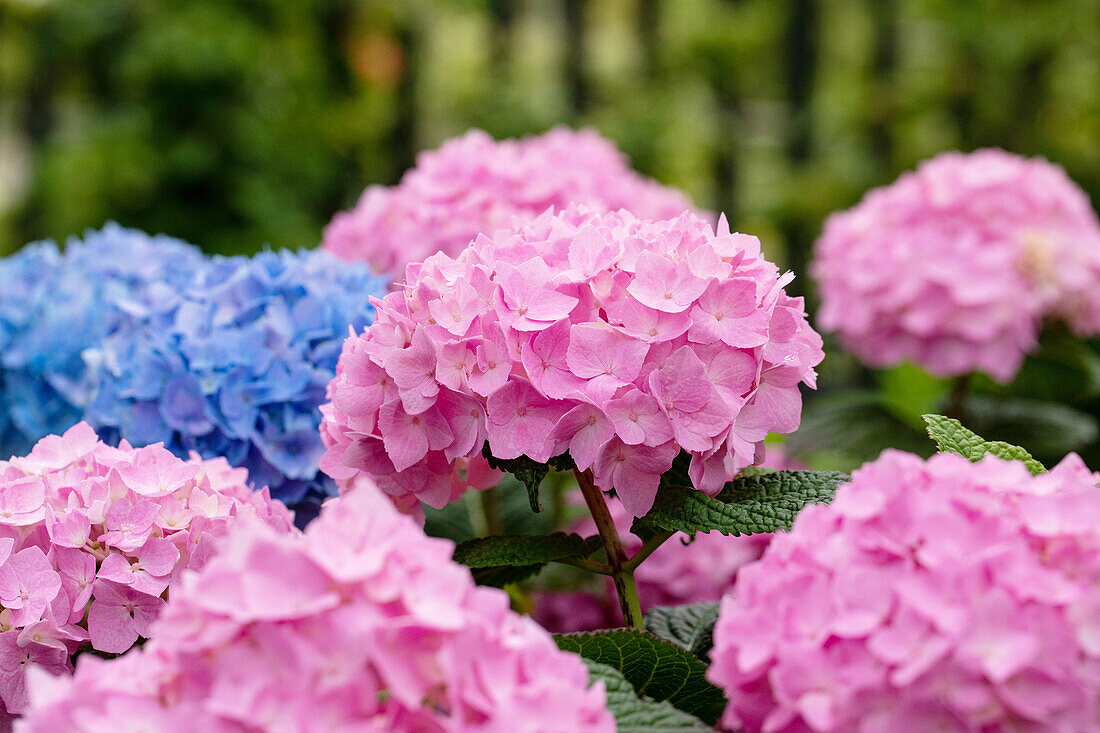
235	124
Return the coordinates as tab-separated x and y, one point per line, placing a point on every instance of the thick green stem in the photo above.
628	599
617	560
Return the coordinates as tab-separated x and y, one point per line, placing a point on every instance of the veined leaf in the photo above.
635	713
690	627
528	471
952	437
498	561
654	667
750	504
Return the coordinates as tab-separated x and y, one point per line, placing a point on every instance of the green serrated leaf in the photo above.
757	471
562	462
747	505
654	667
520	550
498	577
952	437
498	561
637	714
528	471
690	627
515	509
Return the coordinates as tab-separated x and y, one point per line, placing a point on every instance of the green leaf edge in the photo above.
661	622
951	436
478	552
528	471
668	507
624	702
705	703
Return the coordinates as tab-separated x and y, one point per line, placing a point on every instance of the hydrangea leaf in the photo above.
498	561
656	668
635	713
952	437
690	627
516	516
498	577
750	504
757	471
528	471
487	552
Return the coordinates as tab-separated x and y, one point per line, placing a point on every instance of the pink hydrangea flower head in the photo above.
475	185
617	340
930	595
361	624
91	539
955	265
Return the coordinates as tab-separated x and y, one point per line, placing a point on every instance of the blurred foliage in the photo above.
239	123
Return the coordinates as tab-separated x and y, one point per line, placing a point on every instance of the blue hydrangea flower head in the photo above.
54	306
237	366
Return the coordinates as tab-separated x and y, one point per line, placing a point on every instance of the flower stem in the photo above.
621	572
490	505
957	400
557	503
647	549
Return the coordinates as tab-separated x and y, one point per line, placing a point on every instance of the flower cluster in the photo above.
236	365
91	538
364	623
474	185
678	572
930	595
954	266
53	306
617	340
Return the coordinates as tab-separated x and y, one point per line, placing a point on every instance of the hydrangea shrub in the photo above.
930	595
363	623
558	312
238	366
54	306
612	339
93	537
475	185
954	266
